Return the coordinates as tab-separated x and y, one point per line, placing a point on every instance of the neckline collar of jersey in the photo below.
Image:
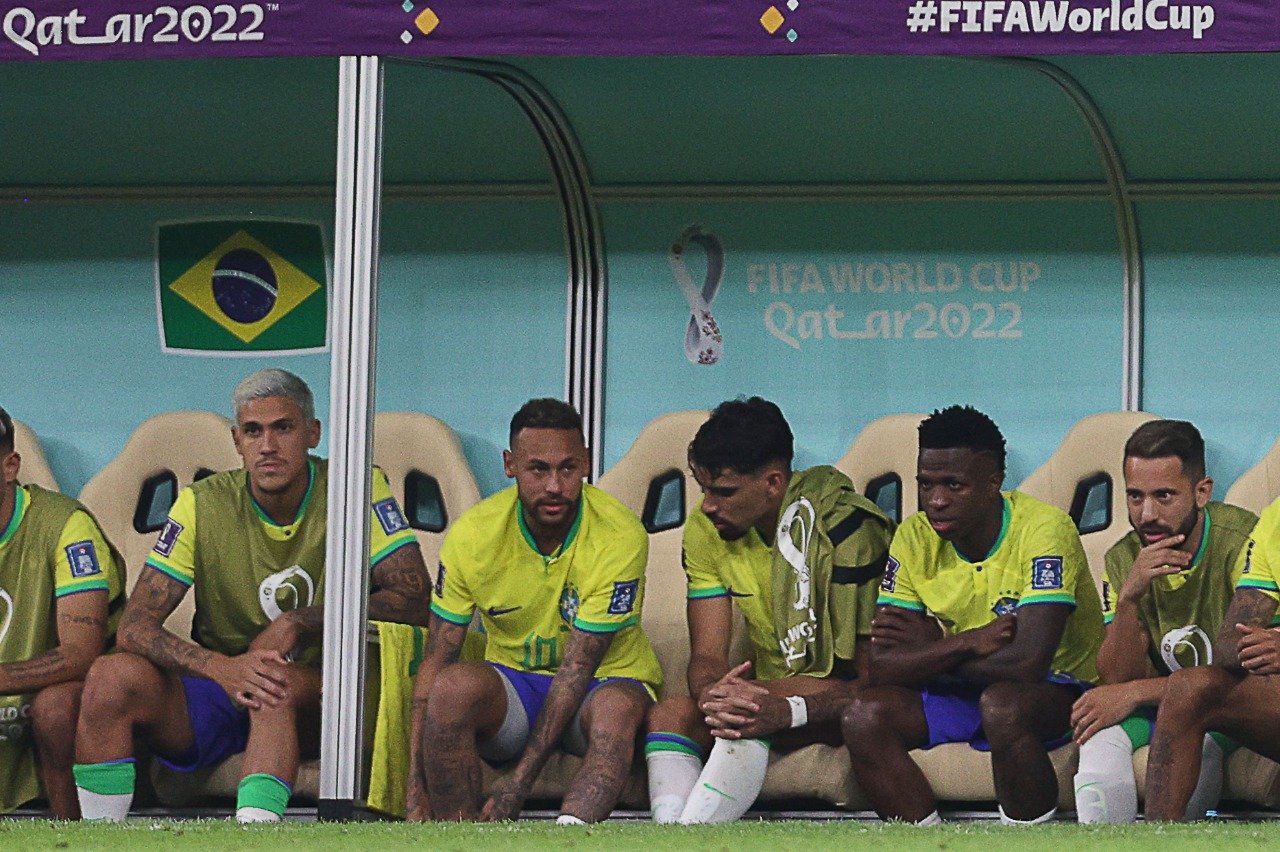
564	545
19	511
1204	541
302	507
1006	511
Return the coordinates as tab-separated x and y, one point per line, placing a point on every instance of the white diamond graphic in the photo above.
406	37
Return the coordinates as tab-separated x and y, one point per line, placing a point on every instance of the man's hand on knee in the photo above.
1259	649
256	679
1101	707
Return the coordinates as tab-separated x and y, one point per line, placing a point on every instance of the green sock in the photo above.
105	790
263	791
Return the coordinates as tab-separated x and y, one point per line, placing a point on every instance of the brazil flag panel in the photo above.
240	287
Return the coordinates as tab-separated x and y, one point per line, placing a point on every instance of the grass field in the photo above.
222	835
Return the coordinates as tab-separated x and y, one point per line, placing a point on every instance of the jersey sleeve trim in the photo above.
169	572
598	627
391	548
86	586
1067	599
901	603
1108	617
713	592
451	617
1261	585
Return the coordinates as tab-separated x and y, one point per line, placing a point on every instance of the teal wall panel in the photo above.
1060	361
1212	326
471	324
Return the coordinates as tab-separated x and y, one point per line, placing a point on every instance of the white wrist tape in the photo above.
799	711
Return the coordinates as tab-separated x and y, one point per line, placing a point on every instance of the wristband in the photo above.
799	711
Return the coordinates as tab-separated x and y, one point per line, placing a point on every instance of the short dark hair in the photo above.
742	435
963	427
545	413
1157	439
6	432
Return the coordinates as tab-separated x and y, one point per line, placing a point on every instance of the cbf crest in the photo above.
569	604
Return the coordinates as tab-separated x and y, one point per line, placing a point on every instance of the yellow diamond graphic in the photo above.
293	286
427	21
771	20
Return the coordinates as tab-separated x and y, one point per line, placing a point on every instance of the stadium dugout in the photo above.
1048	210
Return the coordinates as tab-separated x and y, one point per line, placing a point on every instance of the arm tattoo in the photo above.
142	630
49	668
1248	606
568	688
401	587
86	620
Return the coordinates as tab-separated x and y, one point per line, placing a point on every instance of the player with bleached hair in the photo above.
1167	587
250	545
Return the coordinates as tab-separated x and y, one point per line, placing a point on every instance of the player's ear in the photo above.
776	480
313	436
1204	492
508	464
12	464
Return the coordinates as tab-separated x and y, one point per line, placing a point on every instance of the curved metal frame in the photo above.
1126	219
583	231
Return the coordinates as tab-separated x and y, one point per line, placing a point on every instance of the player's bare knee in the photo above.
1191	691
116	686
1006	711
617	710
54	711
457	691
678	714
865	720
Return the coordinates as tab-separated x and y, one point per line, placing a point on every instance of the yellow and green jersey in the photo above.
50	548
529	602
742	570
1037	559
1183	612
1260	563
246	568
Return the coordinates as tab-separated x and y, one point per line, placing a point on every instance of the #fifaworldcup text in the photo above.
1056	16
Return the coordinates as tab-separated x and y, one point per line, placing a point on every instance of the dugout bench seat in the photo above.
35	468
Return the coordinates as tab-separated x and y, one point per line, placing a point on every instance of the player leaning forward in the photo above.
1167	587
250	543
801	555
555	568
1021	623
61	586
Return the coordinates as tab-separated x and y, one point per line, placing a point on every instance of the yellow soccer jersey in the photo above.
175	555
529	602
1037	559
83	561
1259	566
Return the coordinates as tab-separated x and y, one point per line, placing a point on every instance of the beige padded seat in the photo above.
35	468
182	443
886	447
1256	489
1093	446
408	441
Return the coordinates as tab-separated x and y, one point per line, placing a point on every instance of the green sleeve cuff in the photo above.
169	572
1260	585
713	592
610	627
1069	600
451	617
84	586
901	603
390	549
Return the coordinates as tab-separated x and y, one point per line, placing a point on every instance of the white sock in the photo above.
103	807
569	819
247	813
1005	819
672	775
932	819
1106	790
729	783
1209	787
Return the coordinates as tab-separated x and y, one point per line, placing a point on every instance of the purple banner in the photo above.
144	29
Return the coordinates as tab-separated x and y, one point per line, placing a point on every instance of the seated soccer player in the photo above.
250	543
1238	696
801	555
61	589
1021	623
555	568
1168	583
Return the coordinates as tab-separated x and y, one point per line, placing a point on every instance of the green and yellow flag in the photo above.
255	286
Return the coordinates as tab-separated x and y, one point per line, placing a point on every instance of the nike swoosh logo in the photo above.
494	611
734	594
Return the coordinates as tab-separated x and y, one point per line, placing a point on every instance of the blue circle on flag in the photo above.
244	285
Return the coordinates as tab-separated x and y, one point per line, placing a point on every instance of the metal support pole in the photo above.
353	314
